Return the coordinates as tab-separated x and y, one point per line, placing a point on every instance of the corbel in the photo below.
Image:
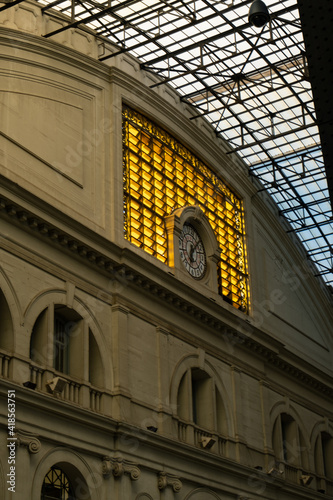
29	440
119	467
165	480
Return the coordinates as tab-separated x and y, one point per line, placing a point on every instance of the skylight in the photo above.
251	84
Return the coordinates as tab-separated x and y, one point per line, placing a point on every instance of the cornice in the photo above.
114	268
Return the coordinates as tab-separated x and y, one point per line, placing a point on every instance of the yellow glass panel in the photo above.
160	175
146	185
147	213
158	158
134	164
135	194
170	202
136	242
135	224
135	213
157	148
135	177
160	240
180	176
159	203
149	250
159	186
148	232
135	234
190	200
160	249
232	248
160	212
136	205
148	221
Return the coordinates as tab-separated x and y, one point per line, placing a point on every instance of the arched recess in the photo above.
290	439
49	312
82	478
322	446
10	313
202	494
191	372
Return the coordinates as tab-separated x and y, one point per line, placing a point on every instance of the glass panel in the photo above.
167	176
56	486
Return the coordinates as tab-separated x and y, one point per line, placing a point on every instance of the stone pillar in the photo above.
119	332
237	409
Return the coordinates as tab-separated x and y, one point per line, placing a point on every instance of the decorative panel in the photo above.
161	175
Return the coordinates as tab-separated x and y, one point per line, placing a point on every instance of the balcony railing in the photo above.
72	391
191	433
292	473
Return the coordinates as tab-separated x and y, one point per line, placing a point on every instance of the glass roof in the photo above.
251	84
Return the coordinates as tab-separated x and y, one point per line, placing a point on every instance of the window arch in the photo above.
62	339
324	455
199	401
289	445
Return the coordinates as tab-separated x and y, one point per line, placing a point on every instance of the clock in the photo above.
192	252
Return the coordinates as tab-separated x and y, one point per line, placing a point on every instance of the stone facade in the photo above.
167	392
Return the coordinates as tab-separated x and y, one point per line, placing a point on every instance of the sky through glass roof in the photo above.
251	84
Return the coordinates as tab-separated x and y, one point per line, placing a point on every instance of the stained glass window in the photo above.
161	175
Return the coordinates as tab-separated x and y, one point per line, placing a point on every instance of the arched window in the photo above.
289	445
62	339
199	401
56	486
324	455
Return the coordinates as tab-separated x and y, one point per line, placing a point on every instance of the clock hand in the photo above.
193	249
191	253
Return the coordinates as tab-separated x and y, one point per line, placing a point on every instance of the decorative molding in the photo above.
118	467
123	273
106	467
165	480
28	439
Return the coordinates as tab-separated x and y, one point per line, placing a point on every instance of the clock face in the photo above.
192	252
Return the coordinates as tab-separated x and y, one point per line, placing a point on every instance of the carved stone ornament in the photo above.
118	467
28	439
106	467
165	480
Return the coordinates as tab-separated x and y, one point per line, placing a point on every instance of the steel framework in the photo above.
251	84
